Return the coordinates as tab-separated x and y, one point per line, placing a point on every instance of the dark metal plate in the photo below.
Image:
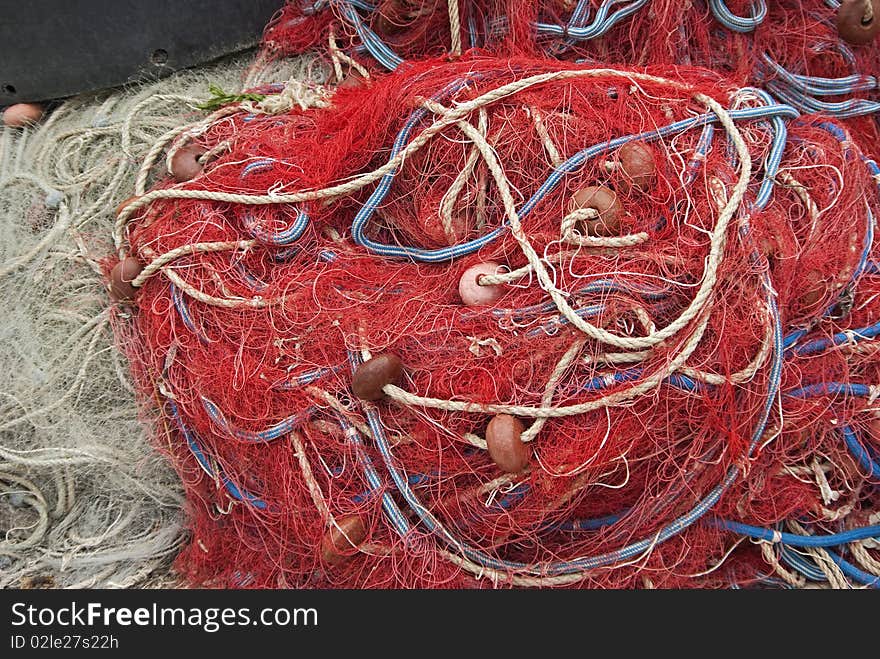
55	48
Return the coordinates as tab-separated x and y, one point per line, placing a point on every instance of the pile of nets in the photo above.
85	500
511	321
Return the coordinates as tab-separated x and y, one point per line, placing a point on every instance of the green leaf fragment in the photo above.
219	98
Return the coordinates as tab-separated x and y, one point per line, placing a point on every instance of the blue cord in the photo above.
802	564
739	23
794	540
604	20
853	572
193	444
274	432
850	336
829	389
280	238
860	453
182	307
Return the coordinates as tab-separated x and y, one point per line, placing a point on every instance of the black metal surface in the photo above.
56	48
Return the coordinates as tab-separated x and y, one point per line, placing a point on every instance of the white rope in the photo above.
454	27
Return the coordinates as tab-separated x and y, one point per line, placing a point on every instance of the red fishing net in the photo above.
822	56
733	36
670	329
